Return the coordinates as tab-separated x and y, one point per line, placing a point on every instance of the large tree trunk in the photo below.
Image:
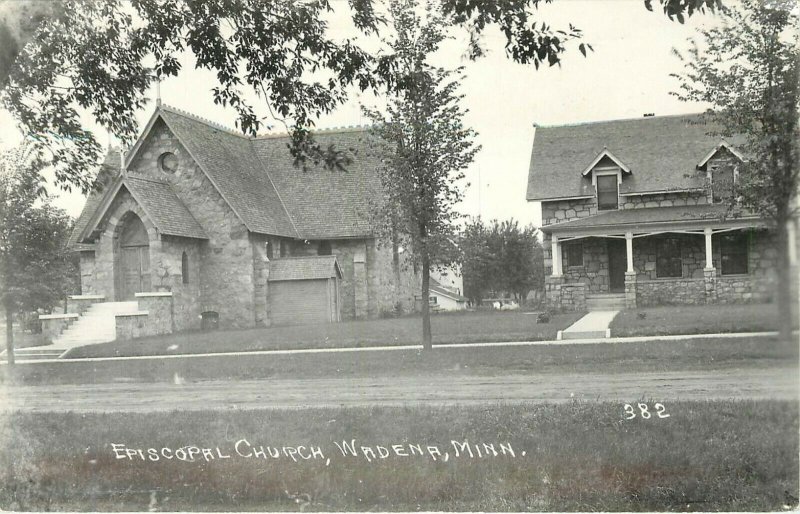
9	333
784	286
427	339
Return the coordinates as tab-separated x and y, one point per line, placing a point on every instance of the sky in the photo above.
627	75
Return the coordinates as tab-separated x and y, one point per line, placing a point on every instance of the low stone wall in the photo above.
54	324
743	289
132	325
160	306
565	296
670	291
78	304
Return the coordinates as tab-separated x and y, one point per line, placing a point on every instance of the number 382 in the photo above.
644	411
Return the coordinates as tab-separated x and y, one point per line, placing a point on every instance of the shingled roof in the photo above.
304	268
258	178
661	152
109	170
166	211
639	218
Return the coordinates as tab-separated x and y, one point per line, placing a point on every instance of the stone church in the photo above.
230	230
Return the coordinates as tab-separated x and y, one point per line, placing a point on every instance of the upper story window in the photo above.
607	192
168	162
723	178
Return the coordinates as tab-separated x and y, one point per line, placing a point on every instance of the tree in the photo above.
35	268
476	263
503	257
748	71
424	146
517	268
102	56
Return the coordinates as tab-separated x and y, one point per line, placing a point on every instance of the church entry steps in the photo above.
96	325
592	326
605	302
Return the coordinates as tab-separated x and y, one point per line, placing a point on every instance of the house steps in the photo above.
605	302
593	325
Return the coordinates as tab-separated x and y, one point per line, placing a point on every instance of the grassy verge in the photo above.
467	327
725	455
702	354
698	319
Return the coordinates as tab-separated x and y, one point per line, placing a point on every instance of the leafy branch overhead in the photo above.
101	56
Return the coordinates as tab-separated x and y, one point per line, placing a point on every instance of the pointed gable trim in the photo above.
149	127
605	153
193	229
714	151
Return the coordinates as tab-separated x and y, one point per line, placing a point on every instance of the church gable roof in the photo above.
109	171
166	211
661	153
233	167
325	204
156	198
259	181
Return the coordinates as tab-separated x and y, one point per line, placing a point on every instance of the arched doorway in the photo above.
133	259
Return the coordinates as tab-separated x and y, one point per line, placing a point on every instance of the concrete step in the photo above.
592	326
605	302
37	353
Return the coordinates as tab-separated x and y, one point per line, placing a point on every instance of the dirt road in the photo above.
259	394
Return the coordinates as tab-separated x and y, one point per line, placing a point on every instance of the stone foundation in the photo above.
565	296
630	290
670	291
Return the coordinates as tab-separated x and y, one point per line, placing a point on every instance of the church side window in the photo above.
185	268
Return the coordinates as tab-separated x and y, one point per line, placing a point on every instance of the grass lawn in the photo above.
464	327
698	319
709	456
703	354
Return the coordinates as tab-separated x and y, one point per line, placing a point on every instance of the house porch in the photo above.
728	261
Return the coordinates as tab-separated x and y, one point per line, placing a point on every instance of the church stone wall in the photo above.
226	260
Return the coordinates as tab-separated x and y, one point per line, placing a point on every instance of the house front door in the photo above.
617	264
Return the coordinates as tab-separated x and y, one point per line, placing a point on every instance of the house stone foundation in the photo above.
630	290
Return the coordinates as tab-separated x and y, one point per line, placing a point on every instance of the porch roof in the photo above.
304	268
654	219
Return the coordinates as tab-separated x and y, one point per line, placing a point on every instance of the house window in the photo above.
283	248
607	192
185	268
324	248
668	258
722	180
269	250
574	254
733	249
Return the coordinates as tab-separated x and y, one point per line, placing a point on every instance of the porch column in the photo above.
630	273
629	250
556	257
709	250
710	273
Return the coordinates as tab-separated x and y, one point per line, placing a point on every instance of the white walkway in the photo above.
593	325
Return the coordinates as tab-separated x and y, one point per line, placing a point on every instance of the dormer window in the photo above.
721	167
607	192
606	171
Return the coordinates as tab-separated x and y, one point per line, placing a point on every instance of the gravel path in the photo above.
782	383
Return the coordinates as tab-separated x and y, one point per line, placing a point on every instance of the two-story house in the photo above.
637	213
